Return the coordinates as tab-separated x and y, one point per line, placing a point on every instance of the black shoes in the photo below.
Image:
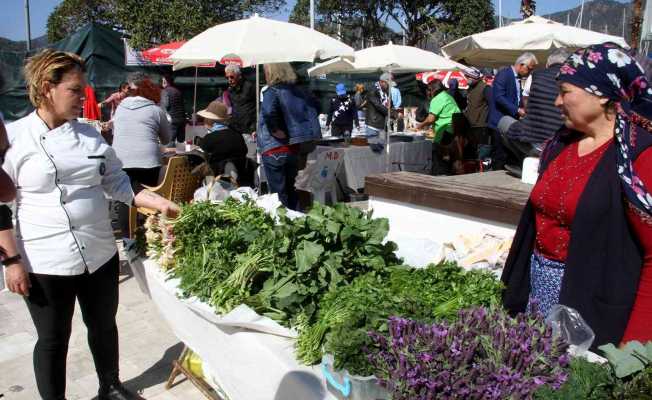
117	392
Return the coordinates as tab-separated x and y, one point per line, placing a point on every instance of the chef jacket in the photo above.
63	177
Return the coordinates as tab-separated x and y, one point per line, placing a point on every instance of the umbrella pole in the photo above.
194	100
388	125
258	156
257	96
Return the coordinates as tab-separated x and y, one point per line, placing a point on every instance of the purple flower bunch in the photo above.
485	354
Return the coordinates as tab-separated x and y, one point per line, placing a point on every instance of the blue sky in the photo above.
12	19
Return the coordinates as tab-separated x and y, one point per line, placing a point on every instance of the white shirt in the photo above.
527	86
62	177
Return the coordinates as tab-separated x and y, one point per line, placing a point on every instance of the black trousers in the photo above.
51	303
178	132
341	130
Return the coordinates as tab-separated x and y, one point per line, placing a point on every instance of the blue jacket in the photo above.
290	109
504	97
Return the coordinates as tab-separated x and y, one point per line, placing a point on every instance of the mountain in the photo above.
604	16
11	45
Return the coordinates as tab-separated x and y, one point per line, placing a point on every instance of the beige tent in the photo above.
501	46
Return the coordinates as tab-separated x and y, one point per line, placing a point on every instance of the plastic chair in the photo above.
178	185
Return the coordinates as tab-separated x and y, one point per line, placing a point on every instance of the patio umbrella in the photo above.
258	40
444	77
160	55
389	57
501	46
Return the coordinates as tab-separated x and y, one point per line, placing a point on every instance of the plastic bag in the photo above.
569	324
192	362
344	386
216	191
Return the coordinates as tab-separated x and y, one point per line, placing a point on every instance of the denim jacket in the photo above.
290	109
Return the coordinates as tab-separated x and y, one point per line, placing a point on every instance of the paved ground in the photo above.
147	347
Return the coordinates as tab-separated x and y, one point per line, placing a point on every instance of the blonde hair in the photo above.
359	87
279	73
48	66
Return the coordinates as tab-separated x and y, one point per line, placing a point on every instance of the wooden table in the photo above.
491	196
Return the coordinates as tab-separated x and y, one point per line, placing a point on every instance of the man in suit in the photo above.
505	105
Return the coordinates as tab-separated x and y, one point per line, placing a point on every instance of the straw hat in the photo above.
215	111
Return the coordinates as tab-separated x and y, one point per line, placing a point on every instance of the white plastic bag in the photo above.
567	323
214	191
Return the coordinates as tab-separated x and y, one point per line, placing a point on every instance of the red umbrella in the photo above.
160	55
444	76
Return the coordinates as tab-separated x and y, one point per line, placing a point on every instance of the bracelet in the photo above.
12	260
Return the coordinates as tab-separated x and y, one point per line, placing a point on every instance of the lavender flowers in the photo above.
485	354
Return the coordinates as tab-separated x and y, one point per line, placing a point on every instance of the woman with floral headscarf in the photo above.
585	237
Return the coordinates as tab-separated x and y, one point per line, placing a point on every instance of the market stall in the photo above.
358	162
283	305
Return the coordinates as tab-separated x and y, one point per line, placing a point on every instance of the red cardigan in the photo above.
555	198
640	322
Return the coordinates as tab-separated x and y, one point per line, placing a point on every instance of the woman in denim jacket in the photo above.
288	125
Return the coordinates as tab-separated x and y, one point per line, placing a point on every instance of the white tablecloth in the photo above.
360	161
245	364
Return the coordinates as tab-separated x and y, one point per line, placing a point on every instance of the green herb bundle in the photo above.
211	241
322	251
234	253
433	293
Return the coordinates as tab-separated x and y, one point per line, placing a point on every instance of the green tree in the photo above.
356	22
463	18
417	18
153	21
72	14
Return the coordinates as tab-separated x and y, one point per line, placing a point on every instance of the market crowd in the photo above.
584	240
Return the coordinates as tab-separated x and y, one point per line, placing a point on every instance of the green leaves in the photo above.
307	255
634	357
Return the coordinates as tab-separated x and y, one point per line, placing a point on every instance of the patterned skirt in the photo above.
545	283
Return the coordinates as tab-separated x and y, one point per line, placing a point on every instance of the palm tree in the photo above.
528	7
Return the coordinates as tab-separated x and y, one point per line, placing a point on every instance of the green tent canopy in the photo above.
103	52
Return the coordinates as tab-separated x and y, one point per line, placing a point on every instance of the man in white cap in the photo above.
477	109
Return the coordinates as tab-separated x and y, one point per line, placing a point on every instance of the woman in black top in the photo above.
222	144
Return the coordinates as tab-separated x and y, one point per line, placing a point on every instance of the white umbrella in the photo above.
258	40
390	57
501	46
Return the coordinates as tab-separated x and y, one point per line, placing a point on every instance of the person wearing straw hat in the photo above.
222	144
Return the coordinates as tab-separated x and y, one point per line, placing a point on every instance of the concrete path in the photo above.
147	347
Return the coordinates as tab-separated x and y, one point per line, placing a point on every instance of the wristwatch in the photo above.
11	260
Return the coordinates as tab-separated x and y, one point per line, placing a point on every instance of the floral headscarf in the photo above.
607	70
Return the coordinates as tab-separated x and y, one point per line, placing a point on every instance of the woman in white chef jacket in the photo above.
64	171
